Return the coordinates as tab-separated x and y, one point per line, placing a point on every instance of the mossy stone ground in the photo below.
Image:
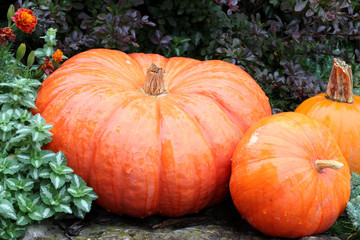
218	222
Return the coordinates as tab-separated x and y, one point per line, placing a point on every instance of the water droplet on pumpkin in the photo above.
264	211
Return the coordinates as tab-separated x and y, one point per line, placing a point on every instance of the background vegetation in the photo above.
287	46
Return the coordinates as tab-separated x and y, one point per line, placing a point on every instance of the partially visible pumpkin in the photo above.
152	140
289	178
339	110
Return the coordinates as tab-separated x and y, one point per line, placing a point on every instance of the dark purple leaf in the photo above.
77	5
108	18
330	16
273	28
133	34
101	16
118	30
345	4
320	28
116	21
75	35
166	39
137	2
83	15
300	6
309	13
74	46
126	28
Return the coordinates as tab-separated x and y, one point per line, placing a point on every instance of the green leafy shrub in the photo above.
287	46
353	207
35	184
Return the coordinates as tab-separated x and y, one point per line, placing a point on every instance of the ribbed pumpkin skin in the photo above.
343	121
142	154
274	183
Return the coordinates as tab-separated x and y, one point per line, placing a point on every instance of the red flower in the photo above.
6	35
47	66
57	56
25	20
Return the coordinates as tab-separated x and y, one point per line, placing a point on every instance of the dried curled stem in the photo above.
340	86
155	81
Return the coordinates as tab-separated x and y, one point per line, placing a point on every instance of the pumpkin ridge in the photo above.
99	135
179	65
227	113
198	191
309	136
206	140
102	128
217	74
111	60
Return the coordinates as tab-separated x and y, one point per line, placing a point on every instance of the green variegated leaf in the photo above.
23	220
45	173
48	155
63	208
12	167
12	183
36	161
83	203
73	191
25	204
7	209
4	98
36	137
23	157
46	211
34	173
47	127
38	120
77	181
60	159
18	138
57	180
46	194
27	184
79	213
5	136
27	102
14	231
25	130
36	215
66	199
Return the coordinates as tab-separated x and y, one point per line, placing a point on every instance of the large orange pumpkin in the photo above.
339	110
289	178
150	140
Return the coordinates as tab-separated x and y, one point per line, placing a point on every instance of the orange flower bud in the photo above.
58	56
20	52
25	20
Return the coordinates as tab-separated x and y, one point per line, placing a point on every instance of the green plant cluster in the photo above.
353	207
35	184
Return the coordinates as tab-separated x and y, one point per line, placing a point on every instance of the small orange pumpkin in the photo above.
339	110
152	140
289	178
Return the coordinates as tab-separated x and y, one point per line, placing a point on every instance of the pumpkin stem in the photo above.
340	86
154	81
321	164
